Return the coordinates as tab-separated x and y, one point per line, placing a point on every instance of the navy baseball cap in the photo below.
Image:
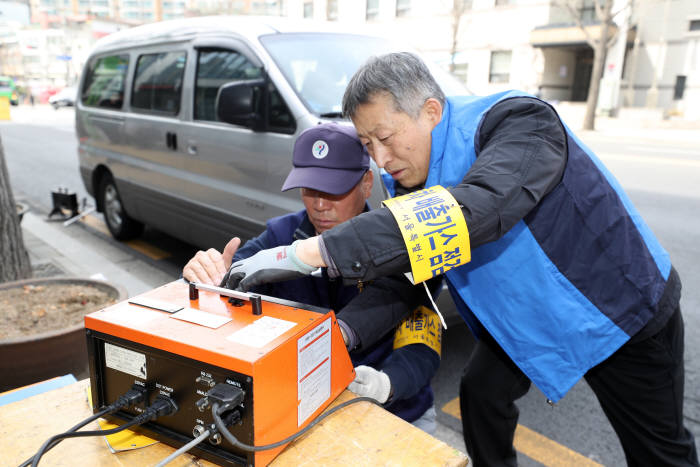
328	158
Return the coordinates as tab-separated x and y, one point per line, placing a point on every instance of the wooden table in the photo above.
360	434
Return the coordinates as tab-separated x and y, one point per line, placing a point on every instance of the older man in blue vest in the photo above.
565	278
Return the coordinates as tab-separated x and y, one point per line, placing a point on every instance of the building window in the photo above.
463	5
679	88
694	25
402	7
499	71
587	12
332	10
461	71
268	7
372	10
308	9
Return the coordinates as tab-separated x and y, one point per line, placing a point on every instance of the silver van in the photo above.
154	147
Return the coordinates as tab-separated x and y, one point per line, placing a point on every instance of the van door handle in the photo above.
192	148
171	140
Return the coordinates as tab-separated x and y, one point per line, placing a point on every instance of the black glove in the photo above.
274	265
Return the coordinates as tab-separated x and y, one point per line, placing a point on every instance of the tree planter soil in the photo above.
41	331
35	309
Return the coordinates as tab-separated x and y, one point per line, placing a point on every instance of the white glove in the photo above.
371	383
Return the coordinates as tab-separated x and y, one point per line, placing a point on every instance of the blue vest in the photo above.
568	284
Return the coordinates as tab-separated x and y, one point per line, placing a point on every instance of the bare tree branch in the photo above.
624	7
612	39
458	9
575	15
599	8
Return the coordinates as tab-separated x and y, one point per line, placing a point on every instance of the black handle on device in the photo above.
255	300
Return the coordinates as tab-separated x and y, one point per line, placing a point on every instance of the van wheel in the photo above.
120	225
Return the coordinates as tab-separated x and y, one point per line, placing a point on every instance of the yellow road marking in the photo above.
142	247
536	446
452	408
95	223
147	249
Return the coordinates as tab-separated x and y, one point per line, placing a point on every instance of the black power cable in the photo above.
99	414
160	407
215	410
133	396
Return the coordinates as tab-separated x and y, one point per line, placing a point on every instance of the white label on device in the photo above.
314	370
125	360
200	317
261	332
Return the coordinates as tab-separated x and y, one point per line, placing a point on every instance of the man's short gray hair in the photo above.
402	75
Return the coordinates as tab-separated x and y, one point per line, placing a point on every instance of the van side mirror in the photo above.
239	103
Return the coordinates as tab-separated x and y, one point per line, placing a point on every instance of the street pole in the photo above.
632	72
609	99
653	94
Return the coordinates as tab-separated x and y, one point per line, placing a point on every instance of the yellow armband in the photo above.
420	327
434	230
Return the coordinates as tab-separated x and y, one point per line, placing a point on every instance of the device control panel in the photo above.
121	364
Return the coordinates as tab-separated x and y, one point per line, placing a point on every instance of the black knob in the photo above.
256	302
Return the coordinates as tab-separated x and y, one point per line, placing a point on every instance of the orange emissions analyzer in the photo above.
179	341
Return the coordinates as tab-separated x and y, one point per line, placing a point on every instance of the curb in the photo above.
81	254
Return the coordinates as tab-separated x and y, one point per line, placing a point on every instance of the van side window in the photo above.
158	82
104	83
216	67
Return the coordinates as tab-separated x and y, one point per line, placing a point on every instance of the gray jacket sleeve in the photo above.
521	155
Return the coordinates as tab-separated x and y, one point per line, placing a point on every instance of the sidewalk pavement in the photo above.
74	251
632	122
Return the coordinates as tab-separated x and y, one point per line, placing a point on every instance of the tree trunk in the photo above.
599	53
14	260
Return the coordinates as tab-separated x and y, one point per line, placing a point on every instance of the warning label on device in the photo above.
314	369
128	361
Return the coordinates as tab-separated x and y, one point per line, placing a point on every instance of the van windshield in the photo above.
319	66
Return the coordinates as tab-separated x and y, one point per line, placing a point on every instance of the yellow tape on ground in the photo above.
433	229
4	108
420	327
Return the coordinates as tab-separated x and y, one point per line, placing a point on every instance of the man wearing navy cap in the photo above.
331	167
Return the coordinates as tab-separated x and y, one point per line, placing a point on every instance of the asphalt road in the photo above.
660	170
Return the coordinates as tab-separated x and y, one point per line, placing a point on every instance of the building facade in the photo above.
538	46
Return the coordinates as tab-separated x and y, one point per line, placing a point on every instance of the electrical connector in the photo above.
202	404
226	396
161	406
231	417
133	396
